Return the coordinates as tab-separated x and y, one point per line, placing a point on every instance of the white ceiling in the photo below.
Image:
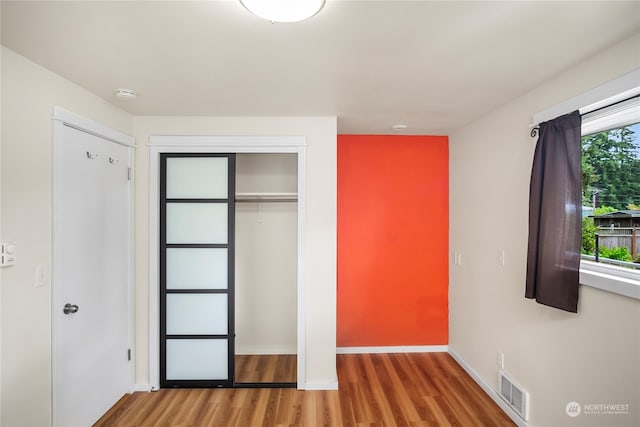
433	66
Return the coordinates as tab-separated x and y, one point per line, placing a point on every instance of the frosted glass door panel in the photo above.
197	216
196	268
197	359
196	314
197	223
197	178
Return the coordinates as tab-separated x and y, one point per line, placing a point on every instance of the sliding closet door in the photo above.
196	269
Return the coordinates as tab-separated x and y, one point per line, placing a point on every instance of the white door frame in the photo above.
219	144
60	118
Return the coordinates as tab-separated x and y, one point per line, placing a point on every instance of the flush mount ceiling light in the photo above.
283	10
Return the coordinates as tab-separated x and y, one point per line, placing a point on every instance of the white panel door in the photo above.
91	262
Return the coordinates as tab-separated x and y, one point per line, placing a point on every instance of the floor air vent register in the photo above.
514	395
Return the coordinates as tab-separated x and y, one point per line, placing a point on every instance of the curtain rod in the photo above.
536	128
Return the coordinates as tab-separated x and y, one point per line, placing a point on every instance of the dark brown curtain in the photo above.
555	215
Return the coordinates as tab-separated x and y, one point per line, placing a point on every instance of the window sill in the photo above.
618	280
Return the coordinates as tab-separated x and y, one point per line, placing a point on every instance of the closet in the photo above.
228	270
266	268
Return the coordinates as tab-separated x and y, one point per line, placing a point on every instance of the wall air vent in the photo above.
514	395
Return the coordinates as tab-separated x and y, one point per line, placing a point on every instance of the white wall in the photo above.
589	357
266	287
29	93
320	248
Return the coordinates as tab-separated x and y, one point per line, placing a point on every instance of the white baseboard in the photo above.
489	390
394	349
319	386
141	387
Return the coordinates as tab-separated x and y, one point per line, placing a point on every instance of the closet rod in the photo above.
260	200
266	197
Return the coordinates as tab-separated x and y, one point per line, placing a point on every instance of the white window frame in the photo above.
606	277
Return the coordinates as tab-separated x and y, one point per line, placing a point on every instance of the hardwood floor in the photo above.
271	368
416	389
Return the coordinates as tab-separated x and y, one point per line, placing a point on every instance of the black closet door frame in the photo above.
230	291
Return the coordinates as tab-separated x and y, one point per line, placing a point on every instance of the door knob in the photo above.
70	308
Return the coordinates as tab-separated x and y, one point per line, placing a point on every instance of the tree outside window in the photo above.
610	183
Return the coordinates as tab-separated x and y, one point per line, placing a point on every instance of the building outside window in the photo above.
611	186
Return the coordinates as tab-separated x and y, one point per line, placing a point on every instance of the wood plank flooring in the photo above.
376	390
266	368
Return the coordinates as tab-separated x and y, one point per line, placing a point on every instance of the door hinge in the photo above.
128	174
129	354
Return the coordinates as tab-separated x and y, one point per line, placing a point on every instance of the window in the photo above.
613	105
611	195
611	184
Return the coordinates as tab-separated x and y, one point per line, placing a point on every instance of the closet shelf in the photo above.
266	197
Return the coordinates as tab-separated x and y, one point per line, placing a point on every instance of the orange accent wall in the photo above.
393	240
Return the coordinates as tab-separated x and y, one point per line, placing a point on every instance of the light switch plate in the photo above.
7	254
41	275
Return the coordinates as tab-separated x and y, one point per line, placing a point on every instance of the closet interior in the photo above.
266	269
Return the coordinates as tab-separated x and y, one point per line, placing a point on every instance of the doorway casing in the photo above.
219	144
